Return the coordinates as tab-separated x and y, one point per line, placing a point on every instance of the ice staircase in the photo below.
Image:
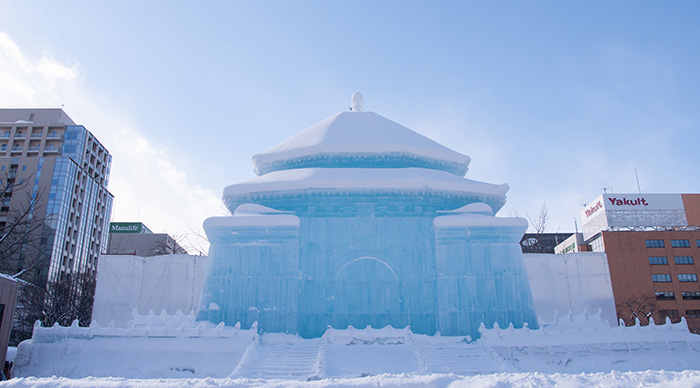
450	355
277	357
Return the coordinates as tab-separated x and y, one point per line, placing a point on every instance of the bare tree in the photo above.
61	301
170	245
197	243
639	308
541	219
21	231
513	212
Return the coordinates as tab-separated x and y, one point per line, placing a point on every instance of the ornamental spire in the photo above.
357	102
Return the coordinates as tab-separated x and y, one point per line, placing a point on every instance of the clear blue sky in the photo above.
557	99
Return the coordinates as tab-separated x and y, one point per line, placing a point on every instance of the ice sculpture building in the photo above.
360	221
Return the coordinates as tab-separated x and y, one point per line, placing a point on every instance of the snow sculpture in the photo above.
360	221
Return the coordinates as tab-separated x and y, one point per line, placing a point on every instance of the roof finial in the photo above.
357	102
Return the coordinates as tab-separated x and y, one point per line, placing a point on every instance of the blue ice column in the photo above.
481	276
252	272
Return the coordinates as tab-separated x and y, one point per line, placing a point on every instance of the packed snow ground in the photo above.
651	378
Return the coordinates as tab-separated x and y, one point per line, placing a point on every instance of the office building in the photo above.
542	242
56	172
134	238
653	243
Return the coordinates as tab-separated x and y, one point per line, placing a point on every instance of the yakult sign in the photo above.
643	201
593	209
632	210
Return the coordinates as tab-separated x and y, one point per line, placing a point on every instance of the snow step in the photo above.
458	358
279	359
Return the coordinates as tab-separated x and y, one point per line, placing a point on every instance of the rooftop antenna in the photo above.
583	201
637	176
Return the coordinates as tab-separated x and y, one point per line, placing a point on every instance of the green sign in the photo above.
126	227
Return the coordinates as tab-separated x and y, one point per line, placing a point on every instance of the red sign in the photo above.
598	205
628	202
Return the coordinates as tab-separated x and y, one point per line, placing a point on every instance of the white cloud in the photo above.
145	179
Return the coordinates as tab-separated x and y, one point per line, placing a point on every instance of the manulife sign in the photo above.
128	227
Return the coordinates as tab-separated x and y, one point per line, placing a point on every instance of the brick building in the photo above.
652	242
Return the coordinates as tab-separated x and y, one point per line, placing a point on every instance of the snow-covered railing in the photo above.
153	320
148	330
248	355
571	330
319	369
352	336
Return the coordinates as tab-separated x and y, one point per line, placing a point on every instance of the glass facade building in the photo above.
67	169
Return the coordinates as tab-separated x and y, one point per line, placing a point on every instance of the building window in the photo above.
687	277
655	244
658	260
665	295
692	313
698	242
690	295
673	314
661	277
598	245
680	243
683	260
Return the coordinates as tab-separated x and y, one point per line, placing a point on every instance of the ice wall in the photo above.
480	273
446	272
253	271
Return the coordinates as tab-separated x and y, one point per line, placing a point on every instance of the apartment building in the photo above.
652	242
54	172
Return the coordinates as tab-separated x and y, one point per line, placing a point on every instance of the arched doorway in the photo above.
367	292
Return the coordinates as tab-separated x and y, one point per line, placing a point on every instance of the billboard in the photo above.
632	210
128	227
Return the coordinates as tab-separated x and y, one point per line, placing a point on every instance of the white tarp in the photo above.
571	282
126	282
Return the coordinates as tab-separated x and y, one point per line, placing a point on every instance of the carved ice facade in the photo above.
359	221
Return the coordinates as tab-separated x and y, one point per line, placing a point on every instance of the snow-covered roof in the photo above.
472	208
347	137
250	214
363	180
